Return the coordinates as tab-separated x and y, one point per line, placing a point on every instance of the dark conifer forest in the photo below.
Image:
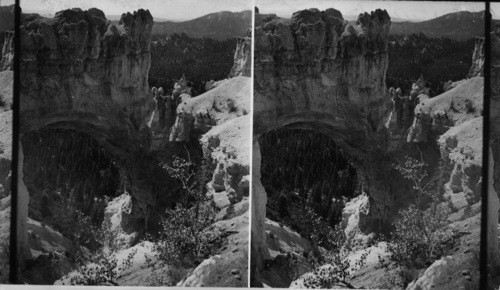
438	59
305	169
200	59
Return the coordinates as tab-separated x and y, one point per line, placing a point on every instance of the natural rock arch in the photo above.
319	73
81	72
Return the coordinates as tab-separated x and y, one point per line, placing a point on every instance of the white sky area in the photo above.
6	2
410	10
176	10
495	10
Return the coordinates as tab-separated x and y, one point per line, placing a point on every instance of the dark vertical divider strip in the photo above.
483	267
15	147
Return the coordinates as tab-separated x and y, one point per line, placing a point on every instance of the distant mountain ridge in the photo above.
458	25
220	25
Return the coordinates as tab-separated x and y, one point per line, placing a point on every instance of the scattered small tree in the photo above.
102	271
336	269
188	235
420	235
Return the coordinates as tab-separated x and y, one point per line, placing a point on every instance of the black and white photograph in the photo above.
134	152
367	144
326	144
6	95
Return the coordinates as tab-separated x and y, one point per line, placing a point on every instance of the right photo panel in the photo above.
494	152
367	144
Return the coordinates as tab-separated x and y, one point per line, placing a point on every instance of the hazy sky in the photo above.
495	10
167	9
6	2
412	10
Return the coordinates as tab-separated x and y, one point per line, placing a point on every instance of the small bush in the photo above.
420	235
102	271
335	269
187	236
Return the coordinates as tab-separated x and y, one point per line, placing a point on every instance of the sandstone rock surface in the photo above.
477	68
242	58
437	115
196	116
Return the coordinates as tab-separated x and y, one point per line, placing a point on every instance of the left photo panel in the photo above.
134	153
6	93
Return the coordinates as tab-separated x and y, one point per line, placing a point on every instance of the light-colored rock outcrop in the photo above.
370	275
6	90
461	149
437	115
196	116
119	221
6	50
220	119
229	147
477	68
242	58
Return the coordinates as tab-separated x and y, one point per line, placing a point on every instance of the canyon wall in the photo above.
318	72
242	57
7	50
477	59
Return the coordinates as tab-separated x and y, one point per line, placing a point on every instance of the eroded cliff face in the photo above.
477	59
79	71
242	58
80	68
6	37
220	121
7	50
317	72
318	63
